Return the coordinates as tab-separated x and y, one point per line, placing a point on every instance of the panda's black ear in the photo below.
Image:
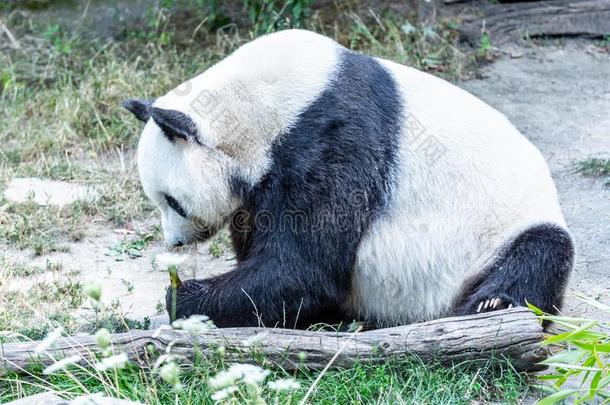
175	124
139	108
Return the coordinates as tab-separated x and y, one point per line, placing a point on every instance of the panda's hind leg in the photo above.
533	267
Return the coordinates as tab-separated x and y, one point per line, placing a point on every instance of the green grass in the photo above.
132	248
112	318
580	364
46	229
594	167
37	306
432	50
44	298
220	244
20	270
34	311
407	381
31	314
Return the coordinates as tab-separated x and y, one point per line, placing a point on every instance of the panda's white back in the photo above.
468	181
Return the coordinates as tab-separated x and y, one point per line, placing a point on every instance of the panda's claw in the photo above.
495	303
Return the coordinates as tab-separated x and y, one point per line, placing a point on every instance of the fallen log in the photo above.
513	334
507	22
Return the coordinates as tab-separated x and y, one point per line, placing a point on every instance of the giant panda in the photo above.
353	188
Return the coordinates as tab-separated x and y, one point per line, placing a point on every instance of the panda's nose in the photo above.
174	242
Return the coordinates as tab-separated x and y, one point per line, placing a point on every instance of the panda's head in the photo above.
187	179
220	126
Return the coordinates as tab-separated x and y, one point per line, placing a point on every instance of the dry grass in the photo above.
39	305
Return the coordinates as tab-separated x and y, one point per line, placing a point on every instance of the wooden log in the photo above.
513	334
510	21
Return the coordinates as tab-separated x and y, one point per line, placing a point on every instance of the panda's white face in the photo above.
188	182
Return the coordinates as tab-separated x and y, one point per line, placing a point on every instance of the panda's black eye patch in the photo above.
175	205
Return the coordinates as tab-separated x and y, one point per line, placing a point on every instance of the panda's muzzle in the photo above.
202	231
198	232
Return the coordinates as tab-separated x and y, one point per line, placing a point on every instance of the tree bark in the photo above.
514	334
509	21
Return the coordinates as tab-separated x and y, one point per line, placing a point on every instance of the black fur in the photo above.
175	205
298	231
139	108
534	268
175	124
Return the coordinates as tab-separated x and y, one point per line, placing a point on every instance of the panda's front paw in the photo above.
187	299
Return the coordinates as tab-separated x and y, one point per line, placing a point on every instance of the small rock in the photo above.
47	192
123	231
516	54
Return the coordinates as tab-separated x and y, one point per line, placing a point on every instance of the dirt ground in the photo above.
558	96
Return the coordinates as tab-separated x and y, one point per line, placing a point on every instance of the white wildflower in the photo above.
224	379
302	357
254	376
408	28
49	341
168	259
116	361
62	364
284	385
170	373
239	373
167	357
224	393
194	324
102	338
255	340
